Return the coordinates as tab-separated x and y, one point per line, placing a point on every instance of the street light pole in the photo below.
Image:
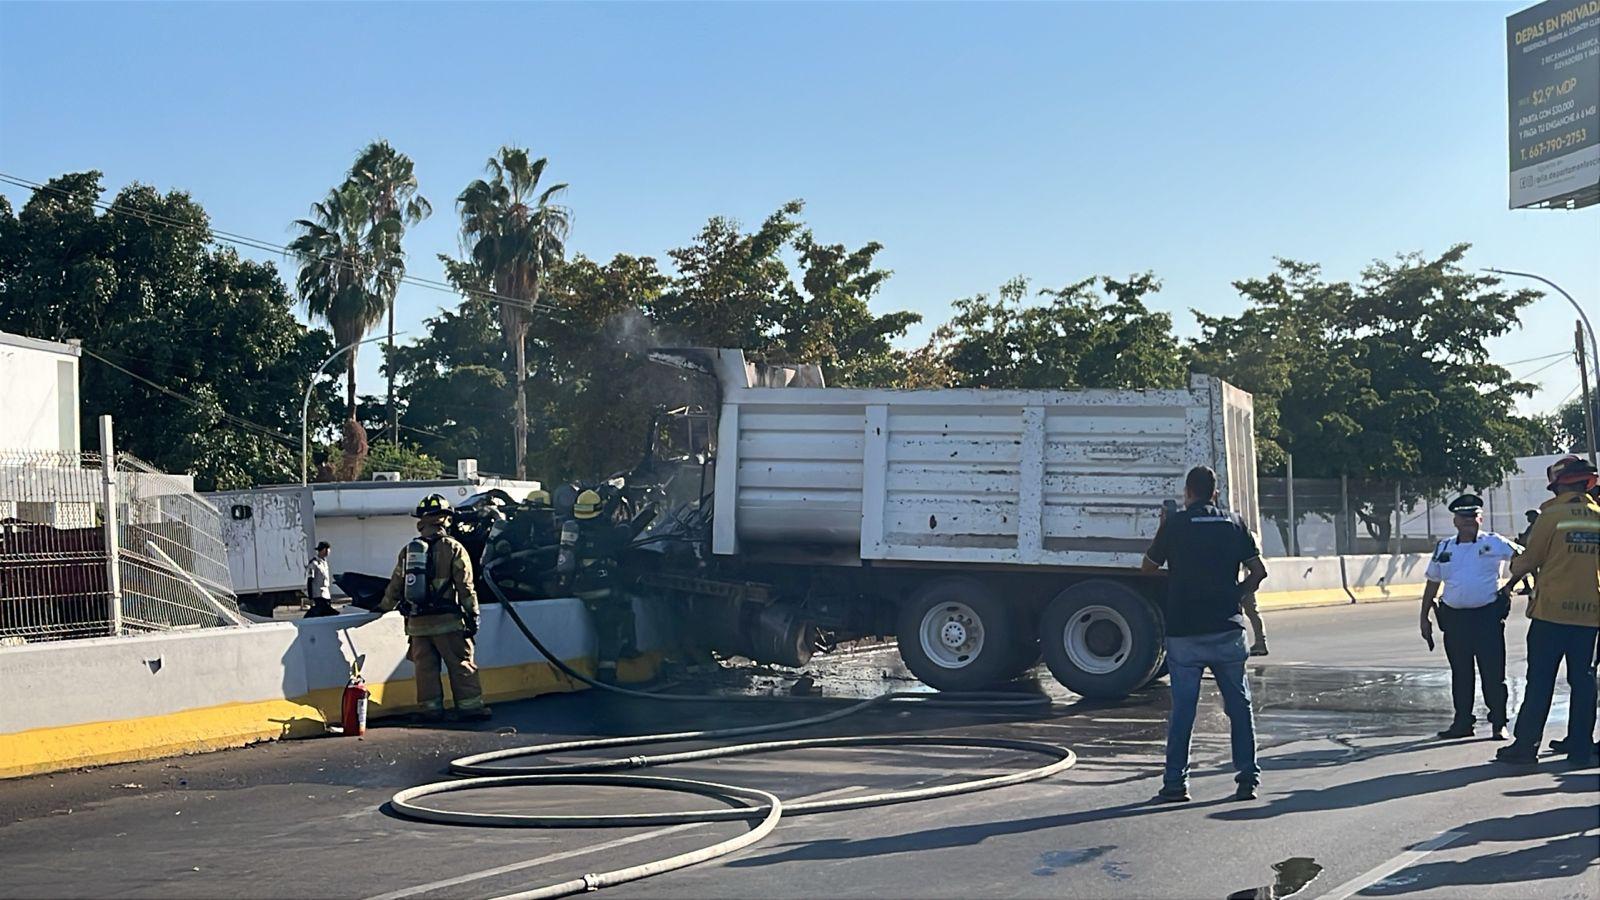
1594	347
305	403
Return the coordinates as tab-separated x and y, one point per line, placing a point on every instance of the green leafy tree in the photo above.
388	179
195	352
456	385
1385	380
826	318
1095	333
597	389
514	233
735	289
1567	430
729	286
349	265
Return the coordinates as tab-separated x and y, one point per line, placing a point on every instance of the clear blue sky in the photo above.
975	142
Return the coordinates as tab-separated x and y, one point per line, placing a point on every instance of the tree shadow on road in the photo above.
955	835
1322	759
1371	791
1566	783
1569	849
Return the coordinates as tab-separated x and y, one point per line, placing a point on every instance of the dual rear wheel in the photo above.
1100	638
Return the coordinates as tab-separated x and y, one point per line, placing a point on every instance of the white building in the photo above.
38	395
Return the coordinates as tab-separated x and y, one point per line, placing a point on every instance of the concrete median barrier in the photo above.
94	702
1301	581
1386	577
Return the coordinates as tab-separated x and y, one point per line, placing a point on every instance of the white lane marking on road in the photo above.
1404	860
569	854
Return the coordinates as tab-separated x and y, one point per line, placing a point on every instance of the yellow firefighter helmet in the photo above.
587	505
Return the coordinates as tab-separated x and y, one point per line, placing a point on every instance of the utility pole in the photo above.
1588	400
394	413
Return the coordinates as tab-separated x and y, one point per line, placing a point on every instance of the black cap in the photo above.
324	545
1467	505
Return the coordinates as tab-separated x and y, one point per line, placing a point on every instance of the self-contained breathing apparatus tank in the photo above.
416	573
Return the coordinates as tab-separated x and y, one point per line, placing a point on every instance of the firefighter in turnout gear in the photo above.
586	563
432	587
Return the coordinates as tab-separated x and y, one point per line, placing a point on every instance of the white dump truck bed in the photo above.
1058	478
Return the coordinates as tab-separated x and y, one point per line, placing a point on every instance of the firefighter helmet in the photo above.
587	505
539	498
432	505
1573	473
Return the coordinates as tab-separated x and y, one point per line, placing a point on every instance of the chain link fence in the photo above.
159	565
1335	516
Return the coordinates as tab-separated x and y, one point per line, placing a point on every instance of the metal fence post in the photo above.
1396	545
108	504
1294	529
1346	527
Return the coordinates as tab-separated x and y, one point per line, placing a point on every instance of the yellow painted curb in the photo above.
191	731
1301	599
1335	596
200	730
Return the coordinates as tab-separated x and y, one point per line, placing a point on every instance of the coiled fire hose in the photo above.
762	807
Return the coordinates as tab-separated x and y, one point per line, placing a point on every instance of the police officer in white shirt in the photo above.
1472	614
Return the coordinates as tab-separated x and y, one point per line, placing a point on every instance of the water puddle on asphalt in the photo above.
1052	860
1293	875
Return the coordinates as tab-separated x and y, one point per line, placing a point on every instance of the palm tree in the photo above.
347	267
514	234
388	179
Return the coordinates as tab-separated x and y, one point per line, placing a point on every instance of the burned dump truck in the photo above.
983	529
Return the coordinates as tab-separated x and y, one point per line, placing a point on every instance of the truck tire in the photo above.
1160	673
1101	639
956	635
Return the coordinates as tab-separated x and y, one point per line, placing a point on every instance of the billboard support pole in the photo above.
1588	400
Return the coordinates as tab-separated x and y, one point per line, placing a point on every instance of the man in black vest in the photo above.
1203	548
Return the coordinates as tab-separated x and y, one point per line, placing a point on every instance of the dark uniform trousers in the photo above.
453	653
1476	638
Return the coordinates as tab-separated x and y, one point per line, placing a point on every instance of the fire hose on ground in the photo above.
761	807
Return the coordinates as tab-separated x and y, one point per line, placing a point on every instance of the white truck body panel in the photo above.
270	534
1057	478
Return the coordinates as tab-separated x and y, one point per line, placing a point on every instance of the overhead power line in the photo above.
1518	362
229	237
1547	366
214	409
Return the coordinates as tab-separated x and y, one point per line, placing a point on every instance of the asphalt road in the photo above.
1358	799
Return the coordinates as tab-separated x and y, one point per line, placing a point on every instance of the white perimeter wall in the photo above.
38	395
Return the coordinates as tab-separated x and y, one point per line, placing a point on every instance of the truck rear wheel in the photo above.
956	635
1101	639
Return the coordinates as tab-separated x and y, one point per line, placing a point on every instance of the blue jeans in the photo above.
1187	659
1548	644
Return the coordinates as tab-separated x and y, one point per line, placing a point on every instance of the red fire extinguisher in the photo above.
353	709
